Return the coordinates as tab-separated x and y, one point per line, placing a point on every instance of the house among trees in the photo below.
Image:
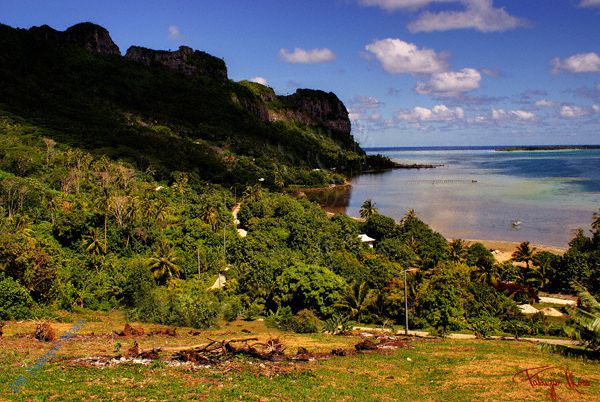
366	240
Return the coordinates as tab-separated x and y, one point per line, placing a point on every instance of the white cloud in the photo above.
596	108
589	3
578	63
544	103
478	14
259	80
522	115
392	5
450	83
365	102
573	111
399	57
302	56
363	108
437	113
174	32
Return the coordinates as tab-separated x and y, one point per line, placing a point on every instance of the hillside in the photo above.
170	110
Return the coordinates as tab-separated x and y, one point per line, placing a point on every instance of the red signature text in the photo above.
551	377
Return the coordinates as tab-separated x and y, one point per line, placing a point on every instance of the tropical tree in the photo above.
596	222
457	251
93	244
357	299
524	253
163	262
584	323
368	209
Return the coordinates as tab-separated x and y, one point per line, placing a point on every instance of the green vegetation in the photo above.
161	121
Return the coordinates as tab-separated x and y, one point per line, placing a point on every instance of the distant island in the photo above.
547	148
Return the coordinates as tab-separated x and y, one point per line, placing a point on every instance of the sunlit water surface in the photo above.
478	193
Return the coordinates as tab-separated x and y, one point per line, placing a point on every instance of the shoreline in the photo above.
507	248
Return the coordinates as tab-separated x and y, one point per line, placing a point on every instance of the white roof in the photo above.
365	239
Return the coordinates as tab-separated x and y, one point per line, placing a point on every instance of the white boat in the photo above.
516	223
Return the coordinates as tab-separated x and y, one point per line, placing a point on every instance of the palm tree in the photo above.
357	299
524	253
210	216
93	245
458	251
163	262
368	209
596	222
584	323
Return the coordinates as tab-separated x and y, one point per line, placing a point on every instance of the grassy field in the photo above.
429	369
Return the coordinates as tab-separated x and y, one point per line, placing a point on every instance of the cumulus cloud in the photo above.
571	112
364	108
436	113
522	115
578	63
259	80
174	32
544	103
392	5
596	108
478	14
450	83
365	102
589	3
399	57
302	56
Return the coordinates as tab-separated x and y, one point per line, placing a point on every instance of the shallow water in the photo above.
479	192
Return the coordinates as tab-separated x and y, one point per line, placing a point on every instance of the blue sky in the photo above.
411	72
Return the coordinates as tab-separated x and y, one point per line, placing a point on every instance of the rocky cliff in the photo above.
90	36
314	108
185	60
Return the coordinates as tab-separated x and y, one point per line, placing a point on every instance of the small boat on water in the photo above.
516	223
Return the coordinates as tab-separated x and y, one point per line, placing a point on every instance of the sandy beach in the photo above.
507	248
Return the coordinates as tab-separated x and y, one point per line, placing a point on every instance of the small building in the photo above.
366	240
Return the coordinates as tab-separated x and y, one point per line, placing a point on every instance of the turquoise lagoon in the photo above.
479	192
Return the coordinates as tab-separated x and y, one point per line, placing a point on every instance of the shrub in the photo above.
15	300
306	322
303	286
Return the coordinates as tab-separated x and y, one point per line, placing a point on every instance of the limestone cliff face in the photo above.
185	60
90	36
314	108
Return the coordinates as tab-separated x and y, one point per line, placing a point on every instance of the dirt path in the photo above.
564	342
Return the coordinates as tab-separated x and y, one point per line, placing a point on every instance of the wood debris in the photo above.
44	332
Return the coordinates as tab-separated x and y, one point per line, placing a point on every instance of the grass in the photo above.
432	369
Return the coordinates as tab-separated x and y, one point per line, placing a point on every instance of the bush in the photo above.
231	308
15	300
303	286
306	322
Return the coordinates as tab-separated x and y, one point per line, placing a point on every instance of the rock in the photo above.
190	62
551	312
528	309
315	108
90	36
